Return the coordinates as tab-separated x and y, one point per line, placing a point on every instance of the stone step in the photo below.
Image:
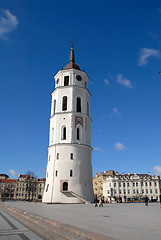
52	228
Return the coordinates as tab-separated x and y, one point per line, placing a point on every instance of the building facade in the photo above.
98	180
26	187
69	169
8	188
131	186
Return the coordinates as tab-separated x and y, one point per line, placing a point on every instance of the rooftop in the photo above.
71	63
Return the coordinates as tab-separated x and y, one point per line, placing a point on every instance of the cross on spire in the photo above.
72	43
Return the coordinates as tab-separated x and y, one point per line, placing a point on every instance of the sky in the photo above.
118	43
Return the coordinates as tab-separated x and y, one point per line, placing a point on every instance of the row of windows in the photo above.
64	187
134	191
22	189
57	156
71	156
66	80
65	103
70	174
64	133
19	194
133	184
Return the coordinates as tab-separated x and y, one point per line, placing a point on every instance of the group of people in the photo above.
100	202
146	200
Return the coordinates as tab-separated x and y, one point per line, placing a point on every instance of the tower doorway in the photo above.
65	186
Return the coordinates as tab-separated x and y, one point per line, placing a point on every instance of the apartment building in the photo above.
130	186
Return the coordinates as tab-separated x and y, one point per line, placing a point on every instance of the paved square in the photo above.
131	221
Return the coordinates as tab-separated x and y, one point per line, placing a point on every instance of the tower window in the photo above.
71	173
66	80
64	106
54	107
78	134
78	104
65	186
57	156
47	187
56	173
52	135
71	156
87	108
64	133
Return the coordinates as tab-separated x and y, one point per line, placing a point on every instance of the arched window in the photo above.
78	133
64	105
78	104
88	108
65	186
66	80
54	107
63	137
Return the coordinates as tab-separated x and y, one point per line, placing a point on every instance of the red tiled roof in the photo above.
42	179
22	176
8	180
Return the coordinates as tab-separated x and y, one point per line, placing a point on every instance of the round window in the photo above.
78	77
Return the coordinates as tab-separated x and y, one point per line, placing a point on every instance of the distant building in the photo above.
26	187
130	186
8	188
30	188
3	176
98	179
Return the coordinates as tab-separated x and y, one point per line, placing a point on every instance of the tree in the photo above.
31	185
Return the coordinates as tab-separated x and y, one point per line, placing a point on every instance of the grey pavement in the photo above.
131	221
11	229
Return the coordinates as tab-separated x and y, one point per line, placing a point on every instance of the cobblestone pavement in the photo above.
119	221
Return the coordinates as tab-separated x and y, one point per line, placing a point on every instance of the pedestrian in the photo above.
146	200
160	200
100	201
95	200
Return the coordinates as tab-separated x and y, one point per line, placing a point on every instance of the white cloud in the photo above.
98	149
116	112
8	23
106	81
145	54
157	170
119	146
13	172
123	81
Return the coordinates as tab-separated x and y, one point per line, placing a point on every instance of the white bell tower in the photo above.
69	169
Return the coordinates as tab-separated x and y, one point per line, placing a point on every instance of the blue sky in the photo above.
118	44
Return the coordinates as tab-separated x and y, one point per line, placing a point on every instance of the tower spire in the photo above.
71	63
71	58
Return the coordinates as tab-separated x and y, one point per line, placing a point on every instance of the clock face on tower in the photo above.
78	77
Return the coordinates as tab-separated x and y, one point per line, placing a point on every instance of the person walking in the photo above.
100	201
146	200
95	200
